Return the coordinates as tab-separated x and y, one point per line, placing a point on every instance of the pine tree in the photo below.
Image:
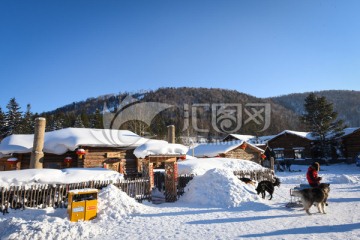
96	120
321	120
85	119
2	124
13	118
55	122
78	122
27	125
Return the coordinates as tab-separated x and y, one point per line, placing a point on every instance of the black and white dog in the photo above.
267	186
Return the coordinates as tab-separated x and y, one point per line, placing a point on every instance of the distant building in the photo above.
292	145
349	146
229	149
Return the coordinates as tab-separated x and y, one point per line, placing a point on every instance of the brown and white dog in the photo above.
318	195
247	181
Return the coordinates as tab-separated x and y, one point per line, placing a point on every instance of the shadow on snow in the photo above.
308	230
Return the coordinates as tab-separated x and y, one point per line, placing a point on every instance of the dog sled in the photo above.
294	200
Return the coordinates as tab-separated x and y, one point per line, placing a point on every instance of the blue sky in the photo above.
53	53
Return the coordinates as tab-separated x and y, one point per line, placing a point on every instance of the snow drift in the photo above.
219	188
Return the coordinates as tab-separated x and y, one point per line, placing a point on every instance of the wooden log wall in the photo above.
247	154
289	142
352	145
95	157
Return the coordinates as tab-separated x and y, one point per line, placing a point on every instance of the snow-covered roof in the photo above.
68	139
241	137
199	166
251	139
307	135
56	176
215	149
159	147
348	131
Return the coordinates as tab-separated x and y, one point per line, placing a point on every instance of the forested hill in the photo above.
346	103
285	110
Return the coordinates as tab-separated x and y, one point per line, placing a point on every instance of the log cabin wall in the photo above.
3	164
6	166
351	144
249	153
121	160
118	159
289	142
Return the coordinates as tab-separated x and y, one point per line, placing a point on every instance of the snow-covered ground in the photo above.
216	206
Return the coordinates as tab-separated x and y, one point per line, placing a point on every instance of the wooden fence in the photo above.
258	176
55	195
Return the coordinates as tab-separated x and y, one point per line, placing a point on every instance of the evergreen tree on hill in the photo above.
78	122
96	120
27	124
2	124
321	120
13	118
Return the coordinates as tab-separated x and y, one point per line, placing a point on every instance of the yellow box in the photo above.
82	204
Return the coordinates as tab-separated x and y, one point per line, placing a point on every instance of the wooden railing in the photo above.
55	195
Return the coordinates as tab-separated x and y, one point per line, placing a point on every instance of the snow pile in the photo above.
199	166
159	147
28	177
219	188
115	204
44	224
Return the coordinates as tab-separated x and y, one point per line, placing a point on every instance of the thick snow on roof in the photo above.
68	139
307	135
241	137
213	149
56	176
253	139
348	131
159	147
199	166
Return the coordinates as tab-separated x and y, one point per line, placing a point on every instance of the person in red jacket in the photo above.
312	175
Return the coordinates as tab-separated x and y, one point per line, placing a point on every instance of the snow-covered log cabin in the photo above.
349	144
230	149
75	147
292	145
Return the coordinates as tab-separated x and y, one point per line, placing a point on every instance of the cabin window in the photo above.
279	154
299	153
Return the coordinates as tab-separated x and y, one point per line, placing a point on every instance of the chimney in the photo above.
171	134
